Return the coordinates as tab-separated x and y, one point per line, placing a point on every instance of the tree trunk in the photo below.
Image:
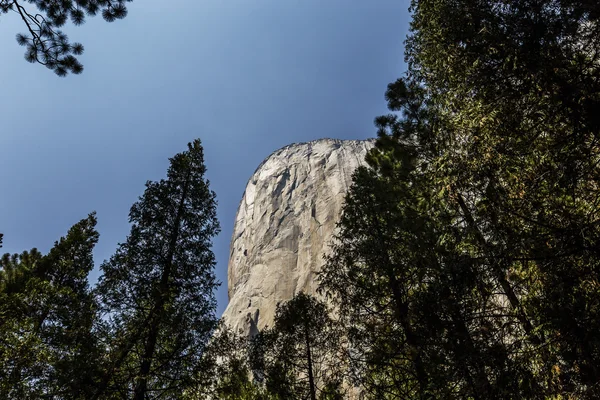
499	274
479	382
401	311
311	378
513	299
156	315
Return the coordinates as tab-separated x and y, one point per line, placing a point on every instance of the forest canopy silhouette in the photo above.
466	262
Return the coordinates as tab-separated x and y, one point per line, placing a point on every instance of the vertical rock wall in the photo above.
284	225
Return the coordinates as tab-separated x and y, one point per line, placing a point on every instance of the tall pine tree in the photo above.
517	86
486	190
157	289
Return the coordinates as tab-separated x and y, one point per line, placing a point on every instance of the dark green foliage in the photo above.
46	319
299	357
17	269
466	264
419	308
224	372
517	87
157	289
362	279
156	298
45	42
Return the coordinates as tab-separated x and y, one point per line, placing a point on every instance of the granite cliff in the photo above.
284	224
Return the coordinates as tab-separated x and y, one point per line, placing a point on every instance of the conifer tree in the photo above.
299	357
47	315
516	86
45	42
404	309
225	370
499	140
157	289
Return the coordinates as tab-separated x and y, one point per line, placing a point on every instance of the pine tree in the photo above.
479	215
361	278
45	42
225	370
299	357
418	296
47	320
516	86
157	289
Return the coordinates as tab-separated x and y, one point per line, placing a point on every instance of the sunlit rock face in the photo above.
284	225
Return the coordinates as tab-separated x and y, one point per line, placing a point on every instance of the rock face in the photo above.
284	225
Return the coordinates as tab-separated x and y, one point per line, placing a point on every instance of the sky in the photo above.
247	77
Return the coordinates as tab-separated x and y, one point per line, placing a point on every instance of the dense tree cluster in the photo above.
299	357
466	264
140	333
467	261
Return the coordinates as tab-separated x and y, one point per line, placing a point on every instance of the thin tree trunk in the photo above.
499	274
515	303
141	386
311	378
401	311
480	384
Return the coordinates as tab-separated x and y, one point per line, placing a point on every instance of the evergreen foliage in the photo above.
466	262
47	314
225	370
156	291
44	41
299	357
521	91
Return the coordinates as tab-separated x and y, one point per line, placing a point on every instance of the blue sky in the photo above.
245	76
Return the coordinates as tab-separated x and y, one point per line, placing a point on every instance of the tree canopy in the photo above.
299	357
466	262
44	41
47	314
470	240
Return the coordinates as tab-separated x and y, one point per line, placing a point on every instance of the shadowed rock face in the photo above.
284	225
